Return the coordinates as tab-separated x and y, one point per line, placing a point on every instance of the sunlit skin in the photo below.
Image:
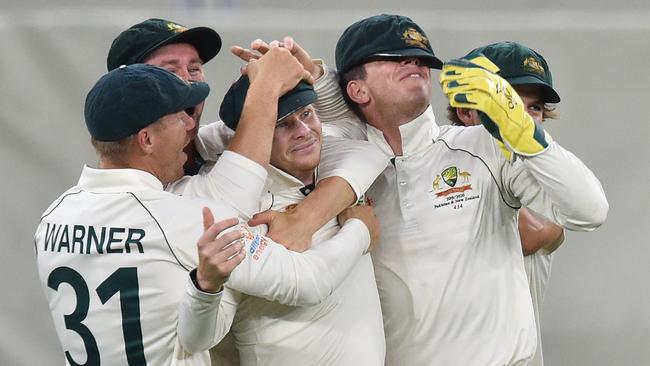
394	92
183	60
297	144
399	88
168	138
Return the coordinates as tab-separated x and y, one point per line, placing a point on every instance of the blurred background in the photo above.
597	308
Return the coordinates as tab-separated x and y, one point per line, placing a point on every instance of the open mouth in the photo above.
190	111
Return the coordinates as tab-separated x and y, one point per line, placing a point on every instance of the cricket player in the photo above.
450	270
184	51
118	231
346	328
529	74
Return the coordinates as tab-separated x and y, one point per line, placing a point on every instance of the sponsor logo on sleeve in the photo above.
255	243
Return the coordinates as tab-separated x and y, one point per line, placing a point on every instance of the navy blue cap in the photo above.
129	98
233	102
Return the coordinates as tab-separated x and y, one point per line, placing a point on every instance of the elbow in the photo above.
591	215
311	299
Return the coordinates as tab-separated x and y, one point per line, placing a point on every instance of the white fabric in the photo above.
449	269
538	270
344	329
121	204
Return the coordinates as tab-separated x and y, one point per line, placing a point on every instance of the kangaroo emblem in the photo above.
436	183
465	176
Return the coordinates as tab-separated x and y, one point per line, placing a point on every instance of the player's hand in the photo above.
218	255
285	228
367	215
259	48
277	70
473	84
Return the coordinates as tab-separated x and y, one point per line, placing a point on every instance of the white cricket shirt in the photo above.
114	251
449	268
345	328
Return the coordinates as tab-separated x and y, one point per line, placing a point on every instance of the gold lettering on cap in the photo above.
176	28
414	38
532	65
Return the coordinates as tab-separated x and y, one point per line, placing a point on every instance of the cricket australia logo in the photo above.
176	28
450	186
414	38
532	65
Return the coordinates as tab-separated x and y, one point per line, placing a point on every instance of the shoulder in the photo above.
475	140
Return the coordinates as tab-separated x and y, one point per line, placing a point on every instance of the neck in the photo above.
388	120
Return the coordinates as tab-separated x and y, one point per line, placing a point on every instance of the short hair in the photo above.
113	150
548	112
355	73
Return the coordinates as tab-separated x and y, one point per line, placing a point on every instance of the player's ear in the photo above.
145	140
469	117
358	91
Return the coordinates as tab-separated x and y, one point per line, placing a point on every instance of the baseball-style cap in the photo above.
132	97
383	35
520	65
140	40
233	102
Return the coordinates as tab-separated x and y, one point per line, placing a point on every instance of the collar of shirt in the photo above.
117	180
416	135
279	181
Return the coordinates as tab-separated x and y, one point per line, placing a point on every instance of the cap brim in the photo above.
197	93
295	101
431	61
206	41
550	95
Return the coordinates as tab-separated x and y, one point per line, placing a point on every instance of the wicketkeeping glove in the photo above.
473	84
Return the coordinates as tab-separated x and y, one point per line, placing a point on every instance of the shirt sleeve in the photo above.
333	111
358	162
272	272
212	140
557	185
234	179
205	318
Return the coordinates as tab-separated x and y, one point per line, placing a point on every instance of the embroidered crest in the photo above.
449	194
532	65
414	38
450	176
176	28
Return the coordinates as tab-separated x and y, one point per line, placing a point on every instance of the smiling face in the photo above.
297	144
403	84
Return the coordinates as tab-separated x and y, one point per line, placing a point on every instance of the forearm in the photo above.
574	197
537	233
203	319
331	196
272	272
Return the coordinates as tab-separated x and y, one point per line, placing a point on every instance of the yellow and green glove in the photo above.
474	84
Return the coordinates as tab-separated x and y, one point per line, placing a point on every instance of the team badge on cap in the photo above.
414	38
532	65
176	28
